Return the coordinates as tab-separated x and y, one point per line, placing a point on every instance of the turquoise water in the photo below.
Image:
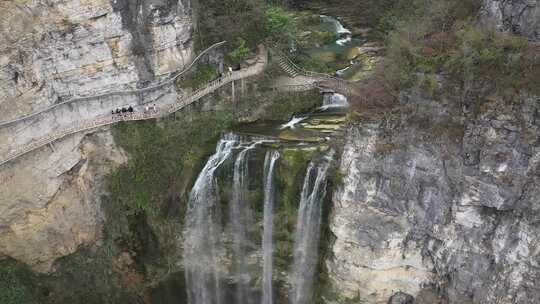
339	55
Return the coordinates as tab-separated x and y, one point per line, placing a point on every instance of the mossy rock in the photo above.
17	283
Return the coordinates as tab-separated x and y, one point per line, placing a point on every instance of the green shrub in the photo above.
433	37
198	79
491	56
240	53
279	24
158	155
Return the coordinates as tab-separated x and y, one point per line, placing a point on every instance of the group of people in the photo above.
123	110
130	109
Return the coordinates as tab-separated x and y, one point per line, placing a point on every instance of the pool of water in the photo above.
342	56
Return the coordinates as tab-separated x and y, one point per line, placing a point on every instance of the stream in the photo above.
344	55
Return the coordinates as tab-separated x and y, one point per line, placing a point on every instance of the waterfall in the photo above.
308	230
202	230
334	100
268	246
345	35
240	215
204	250
338	27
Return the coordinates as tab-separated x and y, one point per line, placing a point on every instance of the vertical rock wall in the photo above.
52	51
441	204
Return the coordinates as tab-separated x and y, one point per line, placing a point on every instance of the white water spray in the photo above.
268	245
293	122
334	101
202	246
240	215
308	230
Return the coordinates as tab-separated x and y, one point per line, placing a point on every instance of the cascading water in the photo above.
208	278
344	33
202	245
240	215
268	230
292	123
339	28
308	227
334	100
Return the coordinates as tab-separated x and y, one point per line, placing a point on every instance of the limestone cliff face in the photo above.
55	50
521	17
442	204
50	203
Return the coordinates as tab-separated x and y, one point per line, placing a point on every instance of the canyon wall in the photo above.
52	51
441	203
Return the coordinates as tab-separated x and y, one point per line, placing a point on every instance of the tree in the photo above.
240	53
279	24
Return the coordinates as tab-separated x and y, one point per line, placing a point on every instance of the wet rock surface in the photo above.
441	200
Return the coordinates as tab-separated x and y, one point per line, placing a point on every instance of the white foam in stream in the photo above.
291	124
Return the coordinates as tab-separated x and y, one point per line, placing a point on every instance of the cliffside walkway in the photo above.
161	111
308	80
152	88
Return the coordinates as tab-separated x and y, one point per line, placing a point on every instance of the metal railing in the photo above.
320	80
104	120
122	92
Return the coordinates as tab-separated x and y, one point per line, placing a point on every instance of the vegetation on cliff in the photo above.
243	23
15	283
431	41
159	153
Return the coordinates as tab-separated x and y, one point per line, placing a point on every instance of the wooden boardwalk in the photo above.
160	111
313	80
